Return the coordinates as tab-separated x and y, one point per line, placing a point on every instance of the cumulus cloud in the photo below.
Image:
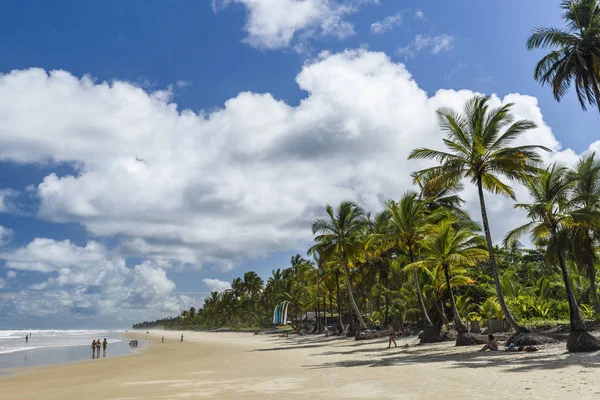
6	235
84	281
386	24
434	45
419	14
274	24
242	181
216	285
7	200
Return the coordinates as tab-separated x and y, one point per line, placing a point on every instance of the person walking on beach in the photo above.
163	339
94	349
326	331
26	338
182	337
98	345
392	333
104	345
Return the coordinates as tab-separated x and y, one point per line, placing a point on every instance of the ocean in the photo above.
47	347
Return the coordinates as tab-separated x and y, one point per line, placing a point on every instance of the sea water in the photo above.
47	347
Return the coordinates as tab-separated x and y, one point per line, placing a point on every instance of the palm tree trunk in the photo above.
576	320
591	270
493	265
426	318
324	310
339	300
351	296
460	326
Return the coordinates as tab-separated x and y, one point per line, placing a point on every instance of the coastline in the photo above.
247	366
41	355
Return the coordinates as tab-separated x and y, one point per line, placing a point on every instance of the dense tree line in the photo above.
423	259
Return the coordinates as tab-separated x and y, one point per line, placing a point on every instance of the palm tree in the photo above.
340	235
410	221
586	179
575	58
552	214
479	151
449	249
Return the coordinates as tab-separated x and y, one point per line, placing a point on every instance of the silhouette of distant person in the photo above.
104	345
182	337
26	339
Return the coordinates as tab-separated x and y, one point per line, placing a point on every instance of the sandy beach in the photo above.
246	366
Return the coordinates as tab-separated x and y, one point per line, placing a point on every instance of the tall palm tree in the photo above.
575	58
340	235
410	221
586	179
478	149
552	214
450	249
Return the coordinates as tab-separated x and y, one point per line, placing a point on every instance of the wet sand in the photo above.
246	366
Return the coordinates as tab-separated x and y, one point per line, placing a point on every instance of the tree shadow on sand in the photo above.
508	362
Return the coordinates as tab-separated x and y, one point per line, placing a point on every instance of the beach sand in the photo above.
247	366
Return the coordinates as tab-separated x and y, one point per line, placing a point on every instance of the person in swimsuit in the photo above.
94	349
26	339
491	345
98	346
104	346
392	333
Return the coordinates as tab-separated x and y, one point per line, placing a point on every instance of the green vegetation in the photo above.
423	260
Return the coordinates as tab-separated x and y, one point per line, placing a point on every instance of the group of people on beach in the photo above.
96	345
492	345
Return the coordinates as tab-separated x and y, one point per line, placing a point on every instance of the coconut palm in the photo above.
410	221
340	235
586	179
575	58
552	214
447	249
478	142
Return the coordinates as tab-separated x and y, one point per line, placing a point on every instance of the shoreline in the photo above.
41	356
234	366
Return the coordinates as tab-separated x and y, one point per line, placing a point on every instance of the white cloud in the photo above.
6	235
435	45
2	283
238	182
274	24
89	280
216	285
386	24
7	200
419	14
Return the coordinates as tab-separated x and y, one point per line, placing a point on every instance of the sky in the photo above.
152	151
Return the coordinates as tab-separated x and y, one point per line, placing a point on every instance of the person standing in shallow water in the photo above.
94	349
26	339
104	345
98	346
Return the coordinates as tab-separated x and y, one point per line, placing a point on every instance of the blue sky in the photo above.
116	205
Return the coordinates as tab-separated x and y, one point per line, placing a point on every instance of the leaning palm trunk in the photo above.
493	265
426	318
465	338
579	340
351	297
